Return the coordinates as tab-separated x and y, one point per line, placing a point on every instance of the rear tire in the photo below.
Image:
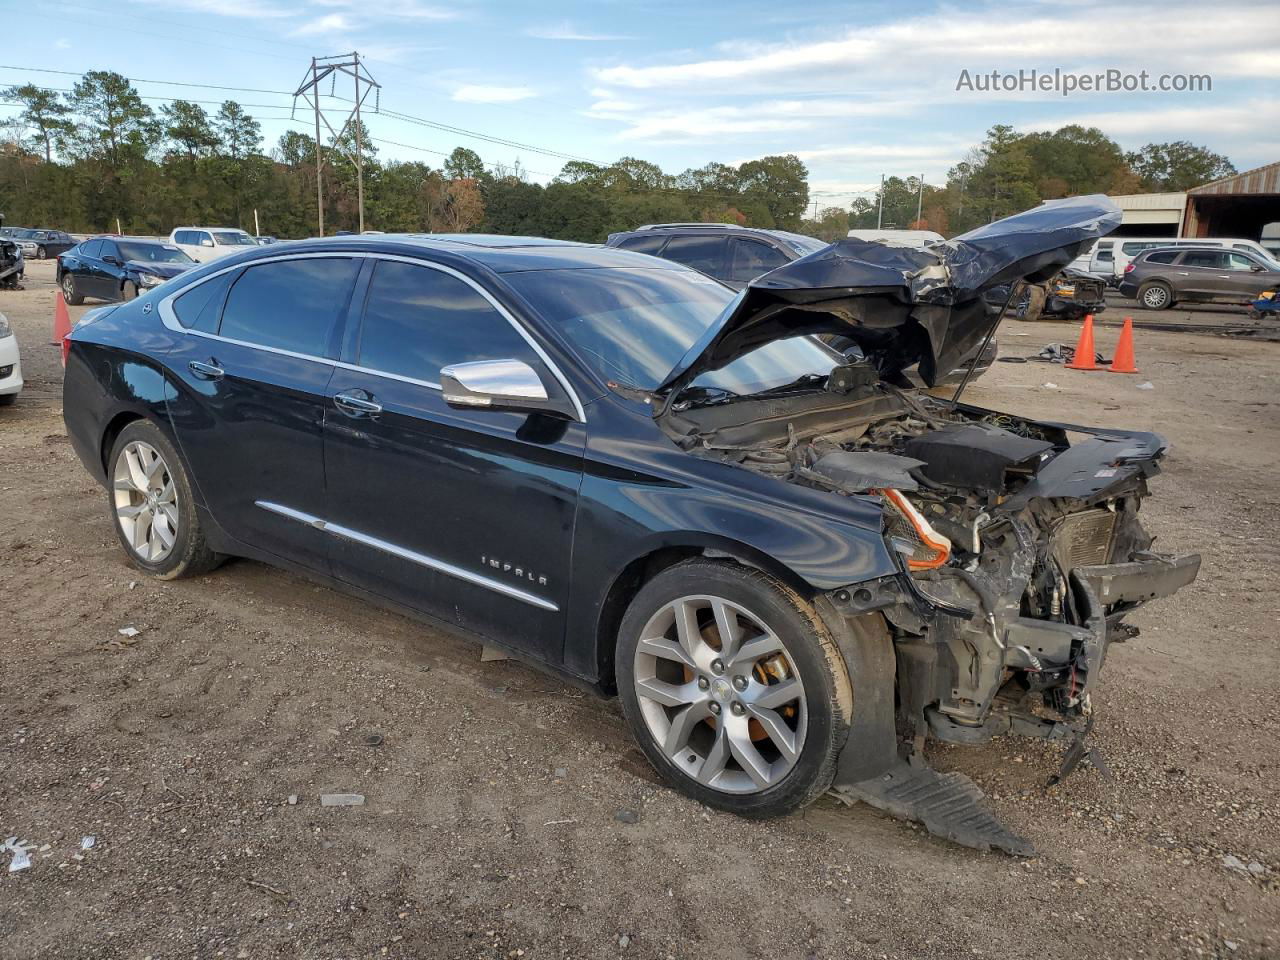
753	726
1156	295
8	399
152	506
69	290
41	253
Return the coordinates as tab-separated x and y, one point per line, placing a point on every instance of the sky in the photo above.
856	90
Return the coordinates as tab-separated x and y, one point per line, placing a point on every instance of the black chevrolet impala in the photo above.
791	568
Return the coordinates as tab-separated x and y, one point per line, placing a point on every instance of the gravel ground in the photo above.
507	814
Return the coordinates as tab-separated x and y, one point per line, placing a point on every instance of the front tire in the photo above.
733	687
1156	295
42	253
152	506
69	290
128	291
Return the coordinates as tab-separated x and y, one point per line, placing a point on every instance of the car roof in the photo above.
497	253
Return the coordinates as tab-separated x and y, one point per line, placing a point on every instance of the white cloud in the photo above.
564	30
62	43
247	9
399	10
485	93
329	23
713	122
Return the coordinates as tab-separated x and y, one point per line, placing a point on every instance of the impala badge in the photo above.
522	573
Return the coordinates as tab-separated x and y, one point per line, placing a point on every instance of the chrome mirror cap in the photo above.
492	380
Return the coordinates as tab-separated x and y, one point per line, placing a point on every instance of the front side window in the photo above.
92	249
634	325
291	304
751	258
418	320
110	250
705	253
154	253
1205	258
1238	261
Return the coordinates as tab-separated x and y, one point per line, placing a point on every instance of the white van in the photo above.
900	238
209	243
1113	254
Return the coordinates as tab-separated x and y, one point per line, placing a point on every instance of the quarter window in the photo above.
418	320
751	258
199	307
705	253
289	305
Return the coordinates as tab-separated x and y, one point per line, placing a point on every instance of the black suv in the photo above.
733	255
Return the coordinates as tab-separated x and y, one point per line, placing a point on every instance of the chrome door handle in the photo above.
353	405
206	371
1183	273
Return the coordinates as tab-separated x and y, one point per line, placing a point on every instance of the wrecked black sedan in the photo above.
793	569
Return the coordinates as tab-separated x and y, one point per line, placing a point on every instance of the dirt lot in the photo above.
491	823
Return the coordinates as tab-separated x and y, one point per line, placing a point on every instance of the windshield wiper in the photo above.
804	380
699	396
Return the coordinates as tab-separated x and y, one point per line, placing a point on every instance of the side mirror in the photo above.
497	385
206	242
1257	269
114	261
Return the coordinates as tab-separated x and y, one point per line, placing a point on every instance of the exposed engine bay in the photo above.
1021	551
11	264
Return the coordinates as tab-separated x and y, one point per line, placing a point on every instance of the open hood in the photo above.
902	305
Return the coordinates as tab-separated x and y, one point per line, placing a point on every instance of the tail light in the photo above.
1128	268
930	549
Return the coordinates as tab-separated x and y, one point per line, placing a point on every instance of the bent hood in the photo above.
902	305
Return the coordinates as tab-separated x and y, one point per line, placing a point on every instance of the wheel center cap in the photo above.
721	689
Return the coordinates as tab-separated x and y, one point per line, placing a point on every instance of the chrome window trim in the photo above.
170	319
404	553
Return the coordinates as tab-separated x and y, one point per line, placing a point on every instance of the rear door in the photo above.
464	514
707	252
1203	273
749	259
252	369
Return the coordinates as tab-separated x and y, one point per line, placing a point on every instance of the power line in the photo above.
170	83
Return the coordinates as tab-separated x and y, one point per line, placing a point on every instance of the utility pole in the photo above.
880	213
309	90
920	199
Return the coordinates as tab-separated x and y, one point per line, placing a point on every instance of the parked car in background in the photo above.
118	268
10	364
787	567
12	263
736	255
208	243
733	255
264	241
43	244
1113	255
1163	276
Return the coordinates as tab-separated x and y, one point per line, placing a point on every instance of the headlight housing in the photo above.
5	329
149	280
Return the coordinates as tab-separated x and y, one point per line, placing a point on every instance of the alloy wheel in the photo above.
720	694
68	286
1155	297
146	501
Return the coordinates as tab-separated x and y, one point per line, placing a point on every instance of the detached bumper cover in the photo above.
1141	580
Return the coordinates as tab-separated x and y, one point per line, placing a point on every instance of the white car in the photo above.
10	364
209	243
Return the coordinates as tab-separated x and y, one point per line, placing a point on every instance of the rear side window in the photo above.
199	307
182	236
290	305
1205	258
643	243
1165	256
418	320
1104	253
752	258
705	253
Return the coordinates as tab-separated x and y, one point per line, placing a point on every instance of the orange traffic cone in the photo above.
1083	359
1123	361
61	320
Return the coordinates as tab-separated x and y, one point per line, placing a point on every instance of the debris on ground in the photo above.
293	800
129	632
21	851
627	816
341	800
373	740
87	843
1148	385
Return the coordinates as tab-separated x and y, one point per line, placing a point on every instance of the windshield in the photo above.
233	238
153	252
634	325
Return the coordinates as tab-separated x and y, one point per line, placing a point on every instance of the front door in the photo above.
464	514
252	369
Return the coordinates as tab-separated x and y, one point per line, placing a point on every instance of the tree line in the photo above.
97	156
